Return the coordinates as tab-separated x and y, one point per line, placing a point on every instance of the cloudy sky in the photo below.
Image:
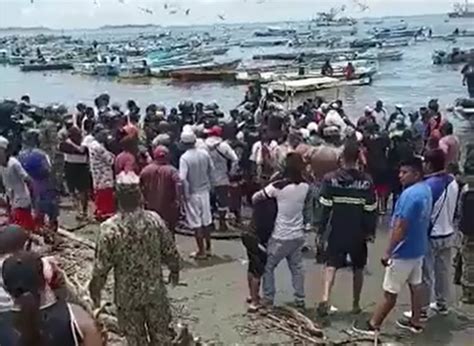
93	13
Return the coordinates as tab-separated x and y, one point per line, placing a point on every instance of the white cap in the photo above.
312	126
368	109
399	105
359	136
188	128
3	142
188	137
305	133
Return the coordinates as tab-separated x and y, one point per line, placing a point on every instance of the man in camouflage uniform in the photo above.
134	243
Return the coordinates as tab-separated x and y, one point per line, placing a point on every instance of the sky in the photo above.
71	14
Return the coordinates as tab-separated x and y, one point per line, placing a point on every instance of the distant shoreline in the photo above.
154	26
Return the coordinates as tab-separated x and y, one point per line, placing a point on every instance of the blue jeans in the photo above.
277	250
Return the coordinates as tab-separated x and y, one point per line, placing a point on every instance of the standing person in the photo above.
76	170
466	226
468	77
49	143
377	144
134	243
327	69
130	159
37	317
380	114
38	166
161	187
101	162
403	256
264	157
437	261
450	144
349	71
196	171
224	159
255	240
348	202
287	239
16	180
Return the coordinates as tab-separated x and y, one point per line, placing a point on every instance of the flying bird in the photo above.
187	11
221	16
173	12
165	6
146	10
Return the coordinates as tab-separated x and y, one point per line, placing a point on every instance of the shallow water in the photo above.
411	81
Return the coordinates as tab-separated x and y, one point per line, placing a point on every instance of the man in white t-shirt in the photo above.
287	240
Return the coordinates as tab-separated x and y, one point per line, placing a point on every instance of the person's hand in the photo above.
385	260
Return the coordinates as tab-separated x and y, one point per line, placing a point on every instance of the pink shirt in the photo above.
451	147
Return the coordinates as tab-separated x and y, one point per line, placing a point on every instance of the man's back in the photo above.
196	170
135	245
349	201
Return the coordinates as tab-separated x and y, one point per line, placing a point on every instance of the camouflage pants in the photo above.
467	277
146	325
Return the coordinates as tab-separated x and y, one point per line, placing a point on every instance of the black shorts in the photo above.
222	197
336	255
78	178
257	257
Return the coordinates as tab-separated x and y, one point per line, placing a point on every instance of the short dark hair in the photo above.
436	159
447	128
350	152
414	162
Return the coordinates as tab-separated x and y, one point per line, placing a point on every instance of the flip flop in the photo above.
198	257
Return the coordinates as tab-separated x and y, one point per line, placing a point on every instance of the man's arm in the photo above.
169	252
396	236
103	262
183	175
370	212
323	213
268	192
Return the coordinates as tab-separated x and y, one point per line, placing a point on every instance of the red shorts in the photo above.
23	218
382	189
104	200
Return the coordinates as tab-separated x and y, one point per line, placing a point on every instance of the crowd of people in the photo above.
308	169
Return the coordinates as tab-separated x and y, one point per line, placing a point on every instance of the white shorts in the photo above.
402	271
198	210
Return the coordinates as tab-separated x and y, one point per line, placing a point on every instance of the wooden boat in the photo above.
264	43
456	56
381	55
46	67
203	76
465	108
314	84
274	31
129	72
272	76
223	66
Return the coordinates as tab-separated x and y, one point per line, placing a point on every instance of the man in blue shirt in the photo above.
407	246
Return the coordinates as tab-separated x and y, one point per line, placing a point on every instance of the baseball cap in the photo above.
3	142
188	137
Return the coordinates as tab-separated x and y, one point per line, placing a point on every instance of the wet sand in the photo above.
213	301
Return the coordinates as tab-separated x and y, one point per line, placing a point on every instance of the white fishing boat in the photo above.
314	84
274	76
381	55
129	72
461	10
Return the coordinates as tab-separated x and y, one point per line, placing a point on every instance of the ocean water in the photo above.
411	81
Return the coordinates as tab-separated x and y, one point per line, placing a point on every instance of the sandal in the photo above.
197	256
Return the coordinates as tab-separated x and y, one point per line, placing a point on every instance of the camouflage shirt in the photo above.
134	245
